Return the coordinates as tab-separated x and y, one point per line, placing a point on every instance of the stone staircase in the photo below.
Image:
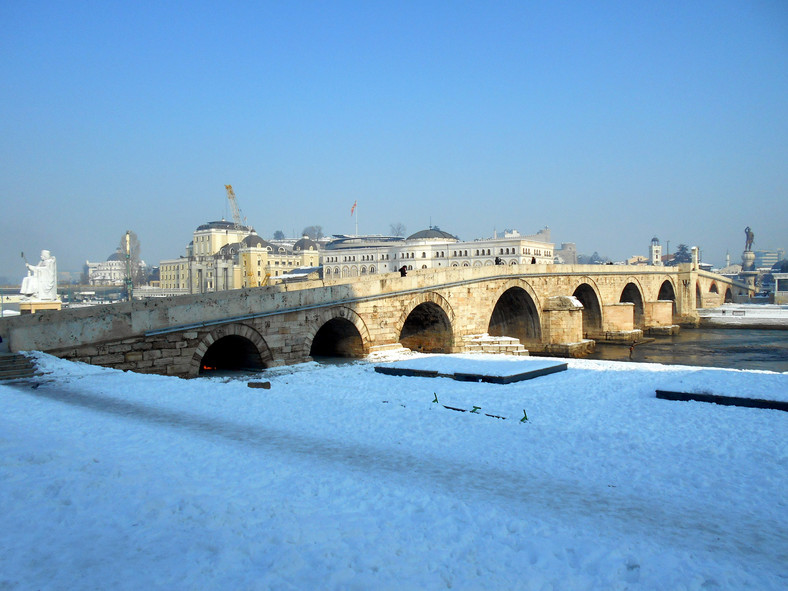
484	343
15	367
378	351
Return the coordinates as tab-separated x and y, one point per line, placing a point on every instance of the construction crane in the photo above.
238	221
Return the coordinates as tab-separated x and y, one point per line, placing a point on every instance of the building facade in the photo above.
110	272
353	256
224	255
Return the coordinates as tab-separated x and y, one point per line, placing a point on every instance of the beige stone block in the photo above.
107	359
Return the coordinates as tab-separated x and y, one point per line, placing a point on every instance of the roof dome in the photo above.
254	241
433	233
229	250
222	225
306	243
780	266
116	256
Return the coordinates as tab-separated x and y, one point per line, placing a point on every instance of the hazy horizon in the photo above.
610	123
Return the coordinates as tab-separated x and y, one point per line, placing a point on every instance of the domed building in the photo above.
224	255
109	272
354	256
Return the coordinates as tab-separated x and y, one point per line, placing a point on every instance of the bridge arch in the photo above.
230	347
588	294
337	332
633	294
427	324
668	292
516	313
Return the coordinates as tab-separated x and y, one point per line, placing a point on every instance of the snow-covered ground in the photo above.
342	478
745	315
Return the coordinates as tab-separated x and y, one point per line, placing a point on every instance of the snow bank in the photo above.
342	478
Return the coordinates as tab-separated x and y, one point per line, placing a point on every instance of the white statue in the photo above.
41	281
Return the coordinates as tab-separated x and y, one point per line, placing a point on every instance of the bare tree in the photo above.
314	232
397	229
279	235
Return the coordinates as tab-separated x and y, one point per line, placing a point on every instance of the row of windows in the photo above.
440	254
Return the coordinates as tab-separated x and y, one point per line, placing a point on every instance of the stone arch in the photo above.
230	346
668	292
728	296
633	294
516	313
698	295
337	332
713	287
427	324
588	294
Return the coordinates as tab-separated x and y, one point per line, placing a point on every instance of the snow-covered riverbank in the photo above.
342	478
745	316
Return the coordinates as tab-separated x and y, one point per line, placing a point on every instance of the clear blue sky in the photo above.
609	122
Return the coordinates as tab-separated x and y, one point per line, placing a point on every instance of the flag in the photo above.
352	209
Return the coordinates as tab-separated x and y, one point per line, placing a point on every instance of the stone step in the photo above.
383	350
14	366
485	343
386	347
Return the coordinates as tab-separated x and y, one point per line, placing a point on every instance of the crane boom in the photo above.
237	220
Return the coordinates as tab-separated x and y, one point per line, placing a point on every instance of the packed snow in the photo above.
339	477
745	315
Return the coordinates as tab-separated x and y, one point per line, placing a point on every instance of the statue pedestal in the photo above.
31	307
748	274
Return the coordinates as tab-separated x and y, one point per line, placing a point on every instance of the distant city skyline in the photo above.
609	123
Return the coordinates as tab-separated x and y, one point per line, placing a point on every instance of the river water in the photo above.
708	347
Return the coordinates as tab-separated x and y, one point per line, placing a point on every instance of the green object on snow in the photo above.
476	409
436	398
525	417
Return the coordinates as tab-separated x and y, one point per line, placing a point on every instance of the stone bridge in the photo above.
551	309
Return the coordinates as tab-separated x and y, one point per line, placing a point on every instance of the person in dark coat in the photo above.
403	270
